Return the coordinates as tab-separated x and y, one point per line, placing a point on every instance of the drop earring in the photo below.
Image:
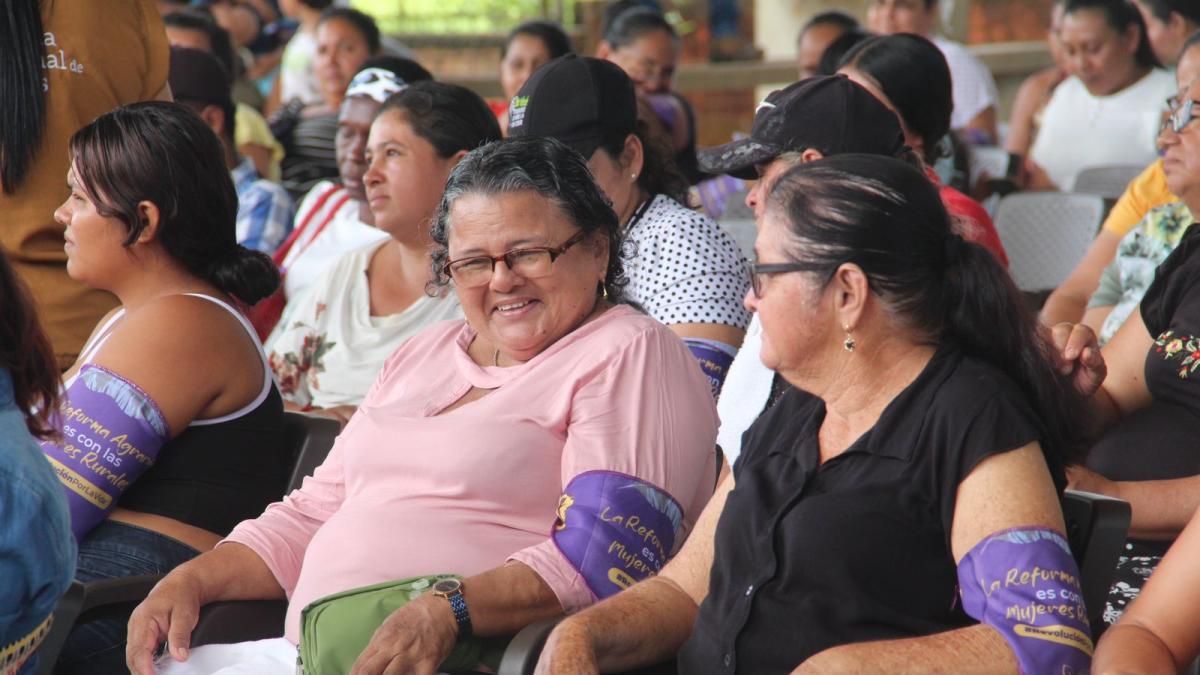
849	343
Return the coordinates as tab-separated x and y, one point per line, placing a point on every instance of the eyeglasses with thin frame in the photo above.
1181	116
530	263
758	271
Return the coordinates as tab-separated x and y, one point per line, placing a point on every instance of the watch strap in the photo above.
458	604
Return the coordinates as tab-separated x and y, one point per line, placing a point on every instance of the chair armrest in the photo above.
239	621
85	602
521	656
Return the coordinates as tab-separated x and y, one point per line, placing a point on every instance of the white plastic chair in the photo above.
1046	234
1107	181
987	160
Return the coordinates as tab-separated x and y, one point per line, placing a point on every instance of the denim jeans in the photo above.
110	551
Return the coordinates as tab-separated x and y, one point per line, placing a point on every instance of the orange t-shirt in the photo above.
98	55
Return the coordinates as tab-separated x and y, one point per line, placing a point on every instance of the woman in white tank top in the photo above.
173	386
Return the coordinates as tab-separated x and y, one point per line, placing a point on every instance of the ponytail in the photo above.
243	273
22	94
986	316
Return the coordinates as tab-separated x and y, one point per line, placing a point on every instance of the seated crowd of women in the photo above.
526	340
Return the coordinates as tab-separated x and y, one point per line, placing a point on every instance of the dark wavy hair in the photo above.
556	40
361	22
547	167
912	72
165	154
1120	15
22	101
25	352
450	117
1163	9
633	23
886	217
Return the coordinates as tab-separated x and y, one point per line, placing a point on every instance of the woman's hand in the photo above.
1079	356
415	639
169	613
1086	480
568	650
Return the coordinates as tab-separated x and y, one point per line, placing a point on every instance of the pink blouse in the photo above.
406	491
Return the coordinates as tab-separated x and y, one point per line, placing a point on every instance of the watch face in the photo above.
447	586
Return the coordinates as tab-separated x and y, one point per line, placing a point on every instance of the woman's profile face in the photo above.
525	54
341	51
795	332
1099	56
404	177
523	316
94	243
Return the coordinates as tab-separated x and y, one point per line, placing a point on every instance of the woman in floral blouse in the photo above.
1146	386
334	339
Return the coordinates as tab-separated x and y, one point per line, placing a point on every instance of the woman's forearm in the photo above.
229	572
1160	508
504	600
644	625
975	649
1128	649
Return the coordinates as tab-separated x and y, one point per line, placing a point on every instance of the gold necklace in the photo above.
496	359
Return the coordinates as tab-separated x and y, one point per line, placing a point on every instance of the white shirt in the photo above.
327	349
684	268
306	261
973	87
745	393
1080	130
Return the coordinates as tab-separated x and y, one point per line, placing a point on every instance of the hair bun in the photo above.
247	275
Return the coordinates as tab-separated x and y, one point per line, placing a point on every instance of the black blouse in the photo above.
809	556
1159	441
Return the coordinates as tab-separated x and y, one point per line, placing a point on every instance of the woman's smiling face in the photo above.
522	316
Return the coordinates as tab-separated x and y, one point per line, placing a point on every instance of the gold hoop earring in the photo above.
849	343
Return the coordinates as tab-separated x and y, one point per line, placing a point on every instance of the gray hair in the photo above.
547	167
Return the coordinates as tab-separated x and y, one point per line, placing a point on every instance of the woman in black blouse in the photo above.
1146	411
925	417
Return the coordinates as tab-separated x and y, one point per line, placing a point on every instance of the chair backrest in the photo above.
1046	234
310	437
1096	529
987	161
1107	181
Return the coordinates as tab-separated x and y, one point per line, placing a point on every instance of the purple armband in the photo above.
111	433
615	529
714	357
1025	584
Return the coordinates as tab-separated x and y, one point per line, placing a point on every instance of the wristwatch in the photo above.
452	590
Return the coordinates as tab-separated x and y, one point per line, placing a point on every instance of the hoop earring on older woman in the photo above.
849	344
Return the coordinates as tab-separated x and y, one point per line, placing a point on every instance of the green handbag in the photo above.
335	629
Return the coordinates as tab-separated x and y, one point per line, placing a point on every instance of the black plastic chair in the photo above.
309	439
1096	530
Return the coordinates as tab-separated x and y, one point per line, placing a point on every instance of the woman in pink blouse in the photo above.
552	448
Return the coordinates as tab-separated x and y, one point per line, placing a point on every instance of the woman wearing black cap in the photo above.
684	270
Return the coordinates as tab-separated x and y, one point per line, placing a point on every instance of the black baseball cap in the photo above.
828	113
198	76
578	100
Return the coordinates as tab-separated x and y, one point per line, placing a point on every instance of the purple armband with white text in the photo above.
111	433
615	529
1025	584
715	359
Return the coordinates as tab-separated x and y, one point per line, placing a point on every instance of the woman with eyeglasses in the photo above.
335	337
552	448
879	510
1145	391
